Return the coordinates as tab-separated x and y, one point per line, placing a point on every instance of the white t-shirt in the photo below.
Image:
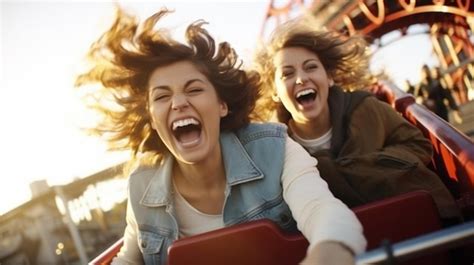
190	220
314	145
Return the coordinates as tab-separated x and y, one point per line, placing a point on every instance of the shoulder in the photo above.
370	102
358	97
372	112
143	168
256	131
263	142
360	93
347	101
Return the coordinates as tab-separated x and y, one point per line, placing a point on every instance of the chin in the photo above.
192	158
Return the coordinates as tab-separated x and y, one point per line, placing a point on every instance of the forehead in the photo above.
177	73
293	55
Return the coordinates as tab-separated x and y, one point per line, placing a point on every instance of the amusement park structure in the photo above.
451	24
397	229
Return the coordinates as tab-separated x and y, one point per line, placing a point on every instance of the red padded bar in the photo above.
257	242
262	242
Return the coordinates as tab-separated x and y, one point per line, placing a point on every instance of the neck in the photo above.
206	175
312	129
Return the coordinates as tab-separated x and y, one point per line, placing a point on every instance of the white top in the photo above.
319	215
190	220
314	145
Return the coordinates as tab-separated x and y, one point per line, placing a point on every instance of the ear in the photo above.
223	109
152	123
275	97
331	81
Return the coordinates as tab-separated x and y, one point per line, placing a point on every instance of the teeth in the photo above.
184	122
305	92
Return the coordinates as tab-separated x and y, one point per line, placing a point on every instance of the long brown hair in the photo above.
345	59
123	59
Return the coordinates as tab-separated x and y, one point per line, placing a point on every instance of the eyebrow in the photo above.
305	62
309	60
188	83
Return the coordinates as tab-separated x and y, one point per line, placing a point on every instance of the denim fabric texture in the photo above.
253	158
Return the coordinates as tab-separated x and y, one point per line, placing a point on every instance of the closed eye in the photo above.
160	97
286	74
195	90
311	66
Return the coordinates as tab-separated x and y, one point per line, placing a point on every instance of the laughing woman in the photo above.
365	150
183	109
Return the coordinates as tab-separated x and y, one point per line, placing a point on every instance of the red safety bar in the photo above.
262	242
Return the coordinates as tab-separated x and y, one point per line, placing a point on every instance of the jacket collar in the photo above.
341	105
159	188
337	104
239	168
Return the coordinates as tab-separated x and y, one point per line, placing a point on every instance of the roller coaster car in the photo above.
405	229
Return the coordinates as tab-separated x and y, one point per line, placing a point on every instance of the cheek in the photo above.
155	125
282	87
163	133
324	95
158	120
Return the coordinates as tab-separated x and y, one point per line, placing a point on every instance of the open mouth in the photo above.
187	131
306	96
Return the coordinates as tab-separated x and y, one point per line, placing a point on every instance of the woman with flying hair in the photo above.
184	111
312	81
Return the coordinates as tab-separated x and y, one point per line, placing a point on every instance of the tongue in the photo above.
189	136
306	102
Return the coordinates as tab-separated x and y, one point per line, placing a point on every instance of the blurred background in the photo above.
62	193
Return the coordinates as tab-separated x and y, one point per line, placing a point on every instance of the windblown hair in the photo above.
123	59
345	59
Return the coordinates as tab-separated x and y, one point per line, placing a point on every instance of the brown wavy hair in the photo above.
345	59
123	59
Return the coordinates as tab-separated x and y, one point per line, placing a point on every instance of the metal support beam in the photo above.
76	237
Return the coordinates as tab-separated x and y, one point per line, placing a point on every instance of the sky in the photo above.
42	48
402	58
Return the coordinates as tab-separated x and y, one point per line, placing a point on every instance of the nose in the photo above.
179	102
300	78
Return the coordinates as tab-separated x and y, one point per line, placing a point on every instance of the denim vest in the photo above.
253	158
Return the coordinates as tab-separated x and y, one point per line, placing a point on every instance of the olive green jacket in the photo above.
375	153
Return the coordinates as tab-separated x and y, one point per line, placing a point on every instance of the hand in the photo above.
329	253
